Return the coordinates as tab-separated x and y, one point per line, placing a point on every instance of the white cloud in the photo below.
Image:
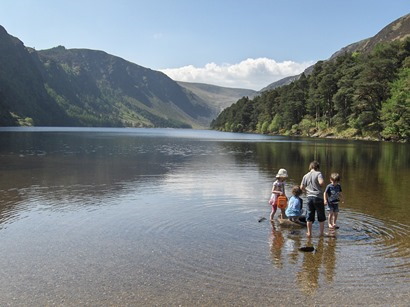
250	73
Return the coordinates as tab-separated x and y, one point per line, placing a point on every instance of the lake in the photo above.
95	216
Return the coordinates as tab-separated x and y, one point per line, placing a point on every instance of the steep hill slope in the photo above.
397	30
80	87
100	85
22	93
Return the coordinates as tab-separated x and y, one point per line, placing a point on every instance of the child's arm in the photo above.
325	196
275	191
278	193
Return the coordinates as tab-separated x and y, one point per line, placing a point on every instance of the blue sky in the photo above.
234	43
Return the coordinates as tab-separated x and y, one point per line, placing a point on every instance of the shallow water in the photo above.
170	217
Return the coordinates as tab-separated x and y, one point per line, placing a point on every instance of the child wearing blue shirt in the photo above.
294	209
332	196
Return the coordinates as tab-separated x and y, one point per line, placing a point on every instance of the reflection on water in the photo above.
308	265
170	217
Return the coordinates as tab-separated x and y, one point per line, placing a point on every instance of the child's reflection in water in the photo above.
324	254
308	276
330	259
284	246
276	245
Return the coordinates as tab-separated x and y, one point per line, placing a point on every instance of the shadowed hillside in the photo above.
81	87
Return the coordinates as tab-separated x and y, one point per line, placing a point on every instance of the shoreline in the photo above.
323	134
332	135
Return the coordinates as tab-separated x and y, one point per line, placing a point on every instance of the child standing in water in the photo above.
278	189
332	196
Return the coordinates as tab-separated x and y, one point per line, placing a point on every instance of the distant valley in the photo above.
217	97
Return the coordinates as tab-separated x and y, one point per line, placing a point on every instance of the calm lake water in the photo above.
170	217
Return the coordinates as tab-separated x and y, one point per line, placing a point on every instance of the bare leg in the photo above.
272	214
309	229
321	228
334	218
331	219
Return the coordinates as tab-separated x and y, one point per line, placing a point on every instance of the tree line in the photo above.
354	95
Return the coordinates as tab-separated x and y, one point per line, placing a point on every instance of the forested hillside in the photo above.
356	94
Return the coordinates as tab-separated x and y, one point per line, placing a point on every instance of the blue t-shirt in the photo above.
333	193
294	207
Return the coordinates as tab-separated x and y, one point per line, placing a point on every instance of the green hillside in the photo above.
363	93
79	87
105	90
23	97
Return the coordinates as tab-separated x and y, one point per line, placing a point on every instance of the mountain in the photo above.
397	30
81	87
217	97
100	84
362	92
22	93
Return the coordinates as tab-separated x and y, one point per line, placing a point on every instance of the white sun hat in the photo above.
282	173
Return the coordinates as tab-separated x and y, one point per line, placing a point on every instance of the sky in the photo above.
231	43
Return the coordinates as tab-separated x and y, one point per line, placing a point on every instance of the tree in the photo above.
367	92
314	106
343	98
275	124
396	110
372	87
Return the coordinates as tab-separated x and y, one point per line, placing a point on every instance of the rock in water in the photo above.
307	249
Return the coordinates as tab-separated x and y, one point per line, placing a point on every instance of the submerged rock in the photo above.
307	249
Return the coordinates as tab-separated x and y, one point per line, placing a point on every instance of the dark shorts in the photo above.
315	204
333	207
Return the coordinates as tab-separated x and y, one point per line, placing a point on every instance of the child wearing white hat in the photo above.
278	189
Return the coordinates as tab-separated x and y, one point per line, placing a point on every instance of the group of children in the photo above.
311	184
